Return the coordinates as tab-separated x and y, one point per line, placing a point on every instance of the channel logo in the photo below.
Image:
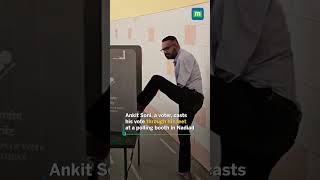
197	13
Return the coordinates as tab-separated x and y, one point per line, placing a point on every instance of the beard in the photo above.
172	55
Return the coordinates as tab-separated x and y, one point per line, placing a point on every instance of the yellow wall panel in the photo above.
120	9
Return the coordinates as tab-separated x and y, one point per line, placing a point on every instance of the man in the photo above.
187	93
254	106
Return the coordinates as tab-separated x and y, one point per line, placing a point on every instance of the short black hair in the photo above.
171	38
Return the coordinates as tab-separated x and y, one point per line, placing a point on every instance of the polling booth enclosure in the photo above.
50	77
125	83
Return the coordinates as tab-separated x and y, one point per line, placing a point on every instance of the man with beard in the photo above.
187	93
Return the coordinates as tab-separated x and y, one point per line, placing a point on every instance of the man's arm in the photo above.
185	70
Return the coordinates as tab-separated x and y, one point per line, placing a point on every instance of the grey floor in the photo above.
159	161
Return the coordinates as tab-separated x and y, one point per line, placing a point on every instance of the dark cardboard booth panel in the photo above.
125	82
125	85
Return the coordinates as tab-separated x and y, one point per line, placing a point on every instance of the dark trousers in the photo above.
256	126
189	102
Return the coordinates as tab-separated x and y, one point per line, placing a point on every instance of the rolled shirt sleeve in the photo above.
187	71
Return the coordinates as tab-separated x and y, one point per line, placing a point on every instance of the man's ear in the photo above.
177	44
